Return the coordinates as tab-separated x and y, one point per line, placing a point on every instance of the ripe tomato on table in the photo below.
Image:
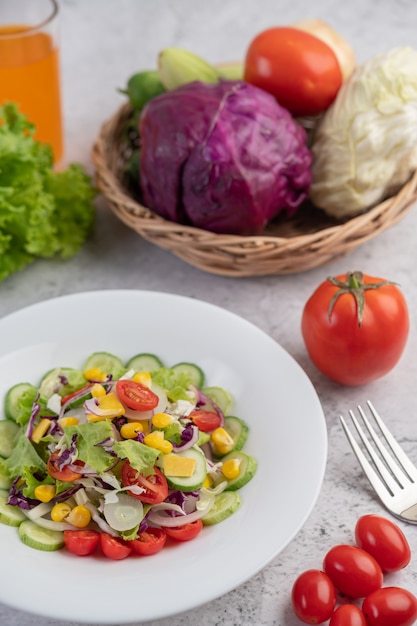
390	606
354	572
348	615
313	597
300	70
384	540
155	486
355	327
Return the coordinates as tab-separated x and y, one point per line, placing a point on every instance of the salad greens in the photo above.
120	457
43	213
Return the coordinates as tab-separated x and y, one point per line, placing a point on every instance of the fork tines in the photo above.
387	467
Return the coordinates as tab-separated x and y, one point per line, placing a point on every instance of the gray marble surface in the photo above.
103	43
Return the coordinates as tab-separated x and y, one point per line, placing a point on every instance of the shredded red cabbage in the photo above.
67	455
17	498
107	445
36	407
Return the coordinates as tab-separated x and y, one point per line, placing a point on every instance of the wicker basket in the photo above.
308	240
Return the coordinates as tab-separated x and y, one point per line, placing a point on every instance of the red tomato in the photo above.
300	70
390	606
65	474
136	396
206	421
353	571
384	540
81	542
149	541
186	532
114	548
350	346
313	597
155	485
348	615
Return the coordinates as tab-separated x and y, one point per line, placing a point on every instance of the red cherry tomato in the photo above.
84	390
149	541
155	485
114	548
384	540
300	70
390	606
349	346
81	542
136	396
186	532
348	615
66	474
313	597
206	421
353	571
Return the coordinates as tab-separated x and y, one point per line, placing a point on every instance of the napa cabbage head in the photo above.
365	146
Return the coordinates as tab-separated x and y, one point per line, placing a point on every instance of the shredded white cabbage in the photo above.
365	146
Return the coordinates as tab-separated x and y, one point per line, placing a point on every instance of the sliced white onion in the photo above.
50	524
163	400
54	403
137	416
158	517
101	523
41	509
124	514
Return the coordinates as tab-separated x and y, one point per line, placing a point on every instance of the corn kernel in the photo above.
80	516
156	440
40	430
143	377
94	373
208	481
222	441
45	493
131	429
97	390
161	420
68	421
60	511
231	468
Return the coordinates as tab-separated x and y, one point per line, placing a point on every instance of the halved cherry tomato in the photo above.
348	615
186	532
353	571
114	548
81	542
65	474
384	540
390	606
300	70
155	485
206	421
355	327
136	396
313	597
149	541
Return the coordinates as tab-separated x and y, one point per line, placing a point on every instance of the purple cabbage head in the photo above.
224	157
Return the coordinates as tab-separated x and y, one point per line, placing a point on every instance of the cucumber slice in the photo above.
247	469
105	362
5	480
237	429
225	504
15	396
8	432
9	515
194	373
220	396
194	482
144	363
40	538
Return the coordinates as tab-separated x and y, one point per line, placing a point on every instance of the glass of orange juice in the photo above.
29	66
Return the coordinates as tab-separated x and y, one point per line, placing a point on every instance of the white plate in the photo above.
272	393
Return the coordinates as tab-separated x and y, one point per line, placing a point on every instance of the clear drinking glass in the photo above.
29	66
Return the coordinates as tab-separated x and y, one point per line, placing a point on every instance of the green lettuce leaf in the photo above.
142	458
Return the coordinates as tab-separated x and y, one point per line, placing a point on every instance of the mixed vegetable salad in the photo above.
121	455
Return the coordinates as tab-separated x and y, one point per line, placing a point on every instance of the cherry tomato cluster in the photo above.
86	542
353	572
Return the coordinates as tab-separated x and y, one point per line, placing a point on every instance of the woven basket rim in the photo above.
238	255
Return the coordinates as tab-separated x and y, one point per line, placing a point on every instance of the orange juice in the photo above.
29	76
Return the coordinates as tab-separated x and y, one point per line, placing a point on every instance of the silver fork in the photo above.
389	470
